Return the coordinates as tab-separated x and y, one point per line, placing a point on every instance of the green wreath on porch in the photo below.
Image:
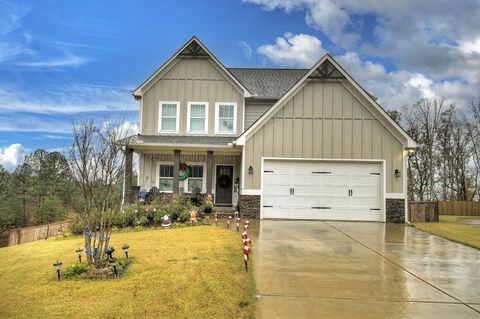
186	172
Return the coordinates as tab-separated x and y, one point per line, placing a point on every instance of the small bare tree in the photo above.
96	164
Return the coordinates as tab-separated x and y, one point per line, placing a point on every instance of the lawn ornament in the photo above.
113	263
246	253
58	265
247	223
166	222
228	221
109	251
247	241
244	235
125	250
193	215
216	220
79	252
238	224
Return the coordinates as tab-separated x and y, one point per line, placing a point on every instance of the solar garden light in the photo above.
125	249
58	265
109	251
113	263
79	252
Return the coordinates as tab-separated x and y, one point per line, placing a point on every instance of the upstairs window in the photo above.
225	118
165	178
169	115
197	117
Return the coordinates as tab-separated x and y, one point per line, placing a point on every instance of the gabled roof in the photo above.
325	68
193	48
268	83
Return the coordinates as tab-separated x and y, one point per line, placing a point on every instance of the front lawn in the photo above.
450	228
191	272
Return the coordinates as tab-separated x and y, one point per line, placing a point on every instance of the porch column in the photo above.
176	170
209	171
127	183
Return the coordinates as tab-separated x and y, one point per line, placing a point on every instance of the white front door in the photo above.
322	190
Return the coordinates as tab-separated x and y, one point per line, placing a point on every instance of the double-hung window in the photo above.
165	178
195	180
225	118
197	117
169	114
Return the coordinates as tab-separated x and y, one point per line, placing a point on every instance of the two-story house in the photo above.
301	143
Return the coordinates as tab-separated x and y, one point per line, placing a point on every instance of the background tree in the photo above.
422	122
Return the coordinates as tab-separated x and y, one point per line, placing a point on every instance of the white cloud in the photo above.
470	46
125	129
393	89
22	122
12	156
246	48
17	49
67	99
437	40
301	50
67	61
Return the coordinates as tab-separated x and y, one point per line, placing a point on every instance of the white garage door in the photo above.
322	190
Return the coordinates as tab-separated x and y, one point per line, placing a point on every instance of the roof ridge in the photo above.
254	68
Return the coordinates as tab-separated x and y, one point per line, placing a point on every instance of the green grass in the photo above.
190	272
449	227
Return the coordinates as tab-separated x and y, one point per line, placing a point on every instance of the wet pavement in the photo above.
315	269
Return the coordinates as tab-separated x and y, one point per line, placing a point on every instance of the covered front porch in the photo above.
185	169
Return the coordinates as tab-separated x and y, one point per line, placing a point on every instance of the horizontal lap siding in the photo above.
324	120
190	80
253	112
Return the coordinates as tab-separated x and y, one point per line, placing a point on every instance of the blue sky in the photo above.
71	60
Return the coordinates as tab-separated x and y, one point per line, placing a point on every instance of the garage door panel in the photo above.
322	190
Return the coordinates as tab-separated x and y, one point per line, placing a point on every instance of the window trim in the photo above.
217	111
189	119
158	175
204	178
160	111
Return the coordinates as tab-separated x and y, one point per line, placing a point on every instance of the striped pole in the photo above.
228	221
246	252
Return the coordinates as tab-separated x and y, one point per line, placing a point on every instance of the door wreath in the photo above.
186	172
224	181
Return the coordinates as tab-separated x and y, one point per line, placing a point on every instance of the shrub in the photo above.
75	224
125	218
75	270
141	221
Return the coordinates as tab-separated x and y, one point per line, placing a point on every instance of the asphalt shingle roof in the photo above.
268	83
172	139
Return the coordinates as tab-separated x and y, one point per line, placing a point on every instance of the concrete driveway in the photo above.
315	269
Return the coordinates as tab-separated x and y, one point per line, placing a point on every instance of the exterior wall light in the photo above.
410	150
398	173
250	170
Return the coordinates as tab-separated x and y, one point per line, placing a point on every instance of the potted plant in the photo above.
208	204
